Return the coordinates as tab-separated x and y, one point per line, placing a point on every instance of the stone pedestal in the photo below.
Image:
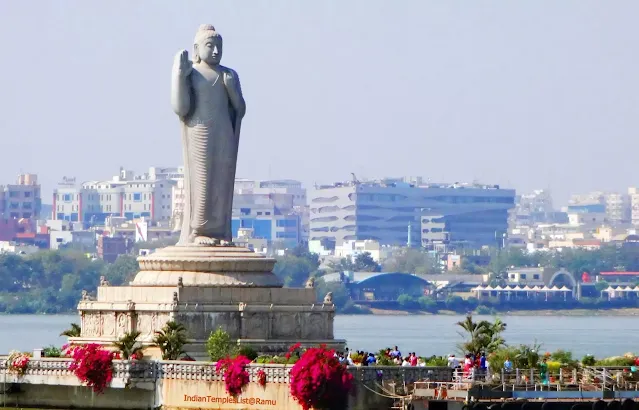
205	288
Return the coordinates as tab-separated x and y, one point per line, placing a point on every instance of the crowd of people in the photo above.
470	366
355	357
466	367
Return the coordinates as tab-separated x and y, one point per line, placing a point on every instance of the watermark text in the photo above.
251	401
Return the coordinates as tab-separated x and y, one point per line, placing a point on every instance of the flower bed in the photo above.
235	374
319	381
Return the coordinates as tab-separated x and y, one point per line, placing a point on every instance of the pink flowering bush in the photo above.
319	381
292	350
261	378
92	365
18	362
235	374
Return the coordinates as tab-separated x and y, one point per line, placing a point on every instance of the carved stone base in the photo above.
270	320
204	288
206	266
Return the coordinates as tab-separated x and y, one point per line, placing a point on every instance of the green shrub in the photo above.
276	359
497	358
407	302
219	345
51	351
588	360
472	303
383	360
564	358
248	352
485	310
428	304
455	303
527	357
435	361
617	361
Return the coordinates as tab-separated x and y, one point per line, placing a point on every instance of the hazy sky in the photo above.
528	94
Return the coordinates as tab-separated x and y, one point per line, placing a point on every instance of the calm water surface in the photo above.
598	335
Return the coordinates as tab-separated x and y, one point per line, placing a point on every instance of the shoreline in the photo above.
541	312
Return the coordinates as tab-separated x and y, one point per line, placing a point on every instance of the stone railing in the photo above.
370	374
42	367
55	368
138	371
275	373
279	373
150	371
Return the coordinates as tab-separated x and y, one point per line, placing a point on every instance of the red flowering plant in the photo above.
261	378
92	365
235	374
290	355
18	362
320	381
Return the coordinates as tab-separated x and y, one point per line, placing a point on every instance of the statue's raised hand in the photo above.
182	65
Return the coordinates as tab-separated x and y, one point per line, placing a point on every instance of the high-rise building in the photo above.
532	208
617	208
633	194
469	214
274	210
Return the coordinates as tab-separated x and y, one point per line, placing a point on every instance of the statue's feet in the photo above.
205	241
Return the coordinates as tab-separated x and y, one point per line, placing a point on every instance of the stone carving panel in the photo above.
160	321
255	326
109	324
315	326
154	322
123	324
91	324
144	324
285	326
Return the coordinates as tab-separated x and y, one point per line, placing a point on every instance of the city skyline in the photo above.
526	95
71	180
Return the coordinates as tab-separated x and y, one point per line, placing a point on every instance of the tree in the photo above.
171	340
294	271
341	294
427	303
128	345
364	262
407	301
74	331
410	260
601	286
482	336
219	345
121	271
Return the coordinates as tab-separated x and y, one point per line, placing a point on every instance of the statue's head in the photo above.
208	45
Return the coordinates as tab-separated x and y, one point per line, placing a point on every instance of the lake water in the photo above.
601	336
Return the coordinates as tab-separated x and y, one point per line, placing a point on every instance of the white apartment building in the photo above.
617	208
591	198
125	195
279	198
22	199
350	249
633	194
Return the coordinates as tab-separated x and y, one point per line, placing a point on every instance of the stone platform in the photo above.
206	266
204	288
